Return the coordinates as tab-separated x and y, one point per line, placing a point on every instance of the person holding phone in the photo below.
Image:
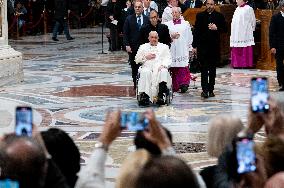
93	174
276	41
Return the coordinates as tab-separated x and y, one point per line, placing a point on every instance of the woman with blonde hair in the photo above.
222	130
131	167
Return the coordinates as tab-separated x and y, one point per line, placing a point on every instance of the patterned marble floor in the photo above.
71	86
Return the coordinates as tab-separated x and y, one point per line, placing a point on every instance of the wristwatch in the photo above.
101	145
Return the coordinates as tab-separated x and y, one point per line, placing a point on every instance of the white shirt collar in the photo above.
282	13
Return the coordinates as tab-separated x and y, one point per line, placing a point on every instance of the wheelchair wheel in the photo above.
169	97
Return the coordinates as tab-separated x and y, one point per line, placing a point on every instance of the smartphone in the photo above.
24	121
7	183
133	121
246	157
259	95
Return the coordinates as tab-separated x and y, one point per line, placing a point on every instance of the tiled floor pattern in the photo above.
71	86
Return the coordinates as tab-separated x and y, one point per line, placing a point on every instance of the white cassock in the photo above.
150	76
242	27
180	47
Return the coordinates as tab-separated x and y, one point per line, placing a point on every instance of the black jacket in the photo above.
114	9
60	10
131	31
207	41
276	32
162	30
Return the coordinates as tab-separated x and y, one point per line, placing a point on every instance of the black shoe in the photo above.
211	94
204	95
183	88
161	99
144	99
70	38
281	89
54	39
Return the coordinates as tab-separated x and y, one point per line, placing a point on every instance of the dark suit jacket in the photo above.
114	9
187	4
131	32
207	41
162	30
276	32
60	10
149	11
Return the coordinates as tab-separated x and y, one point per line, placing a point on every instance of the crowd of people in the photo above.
201	40
50	159
28	15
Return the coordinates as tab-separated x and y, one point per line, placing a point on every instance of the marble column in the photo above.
11	67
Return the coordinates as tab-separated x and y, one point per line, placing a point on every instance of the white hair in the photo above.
154	33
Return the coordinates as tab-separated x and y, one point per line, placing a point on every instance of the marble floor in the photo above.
70	85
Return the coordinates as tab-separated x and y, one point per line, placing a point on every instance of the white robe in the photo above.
242	27
150	76
180	47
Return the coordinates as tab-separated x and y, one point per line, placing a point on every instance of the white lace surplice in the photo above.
180	47
242	27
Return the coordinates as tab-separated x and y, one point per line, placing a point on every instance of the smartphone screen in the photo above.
259	95
7	183
245	156
133	121
24	121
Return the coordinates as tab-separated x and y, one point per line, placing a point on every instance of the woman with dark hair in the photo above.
166	172
64	153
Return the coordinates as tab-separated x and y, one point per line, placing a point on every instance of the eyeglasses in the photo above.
210	3
154	18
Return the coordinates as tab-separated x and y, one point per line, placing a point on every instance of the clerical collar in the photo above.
282	13
177	21
243	5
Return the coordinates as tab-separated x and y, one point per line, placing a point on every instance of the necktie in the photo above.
147	12
139	21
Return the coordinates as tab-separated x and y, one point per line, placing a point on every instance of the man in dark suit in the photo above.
209	25
162	30
190	4
147	9
131	37
276	40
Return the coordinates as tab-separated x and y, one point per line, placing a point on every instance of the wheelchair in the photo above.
169	94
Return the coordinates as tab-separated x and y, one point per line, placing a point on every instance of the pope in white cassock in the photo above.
182	37
154	78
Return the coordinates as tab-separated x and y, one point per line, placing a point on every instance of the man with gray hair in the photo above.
276	41
154	78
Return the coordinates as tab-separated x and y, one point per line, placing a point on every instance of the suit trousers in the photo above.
208	75
280	68
134	66
114	38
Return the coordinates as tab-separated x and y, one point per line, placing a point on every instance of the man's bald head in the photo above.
176	12
23	159
210	6
276	181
